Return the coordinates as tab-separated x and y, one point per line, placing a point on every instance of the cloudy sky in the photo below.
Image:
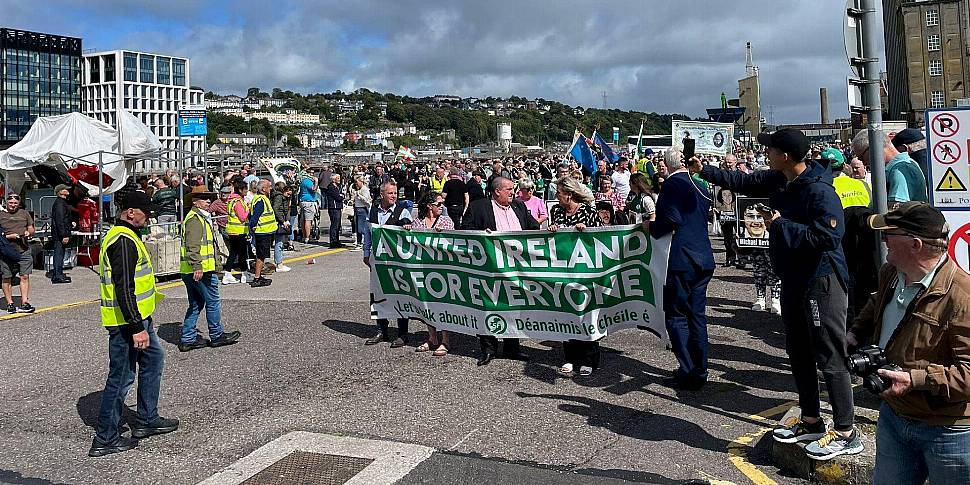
658	55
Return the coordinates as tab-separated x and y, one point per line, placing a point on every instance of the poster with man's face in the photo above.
752	231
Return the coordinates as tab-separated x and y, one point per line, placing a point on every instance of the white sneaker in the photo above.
759	306
585	371
566	369
775	306
228	279
282	268
242	277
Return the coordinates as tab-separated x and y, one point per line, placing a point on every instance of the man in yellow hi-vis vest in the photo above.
199	267
128	298
262	222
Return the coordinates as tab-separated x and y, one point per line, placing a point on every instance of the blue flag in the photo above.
582	152
608	154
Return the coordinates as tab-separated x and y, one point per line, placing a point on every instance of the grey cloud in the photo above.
674	56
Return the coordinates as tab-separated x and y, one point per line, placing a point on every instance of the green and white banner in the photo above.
547	285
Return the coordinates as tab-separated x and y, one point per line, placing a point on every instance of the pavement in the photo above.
301	367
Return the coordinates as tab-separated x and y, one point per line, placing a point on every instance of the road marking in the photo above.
456	445
166	286
738	448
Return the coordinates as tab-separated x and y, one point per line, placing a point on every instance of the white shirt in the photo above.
621	182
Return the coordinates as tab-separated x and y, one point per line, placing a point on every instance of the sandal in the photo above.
423	347
441	351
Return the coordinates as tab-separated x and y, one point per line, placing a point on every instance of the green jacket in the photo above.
192	240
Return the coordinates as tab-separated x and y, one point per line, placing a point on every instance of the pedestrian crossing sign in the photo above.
950	182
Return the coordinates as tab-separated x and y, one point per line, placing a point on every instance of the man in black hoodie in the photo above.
805	227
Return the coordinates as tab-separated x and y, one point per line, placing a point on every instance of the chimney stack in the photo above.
823	95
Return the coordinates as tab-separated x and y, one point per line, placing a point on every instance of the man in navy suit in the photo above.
682	209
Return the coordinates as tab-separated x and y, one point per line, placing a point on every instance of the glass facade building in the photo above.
41	76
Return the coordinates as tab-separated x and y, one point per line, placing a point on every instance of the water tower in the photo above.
504	136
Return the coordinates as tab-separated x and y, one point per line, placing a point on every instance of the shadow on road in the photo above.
15	478
461	345
89	405
170	332
641	425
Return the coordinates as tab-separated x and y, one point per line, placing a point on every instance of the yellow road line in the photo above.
738	448
166	286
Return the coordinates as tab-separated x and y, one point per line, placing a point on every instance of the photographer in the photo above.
920	315
805	226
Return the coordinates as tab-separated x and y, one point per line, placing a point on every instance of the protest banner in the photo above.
549	285
710	138
752	231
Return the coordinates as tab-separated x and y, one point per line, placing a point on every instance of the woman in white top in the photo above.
360	194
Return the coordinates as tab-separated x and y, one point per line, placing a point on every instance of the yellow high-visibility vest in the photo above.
234	225
145	294
267	221
852	192
208	250
437	186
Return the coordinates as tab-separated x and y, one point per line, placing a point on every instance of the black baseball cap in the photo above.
788	140
138	200
917	218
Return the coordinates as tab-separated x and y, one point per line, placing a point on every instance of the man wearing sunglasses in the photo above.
920	317
18	227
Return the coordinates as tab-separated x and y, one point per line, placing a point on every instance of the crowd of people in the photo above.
819	270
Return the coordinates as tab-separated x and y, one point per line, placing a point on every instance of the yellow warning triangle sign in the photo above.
950	182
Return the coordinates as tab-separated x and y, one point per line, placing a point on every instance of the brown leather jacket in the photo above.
932	342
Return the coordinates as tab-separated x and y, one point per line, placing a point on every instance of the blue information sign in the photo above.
192	123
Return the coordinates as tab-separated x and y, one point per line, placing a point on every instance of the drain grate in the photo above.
301	467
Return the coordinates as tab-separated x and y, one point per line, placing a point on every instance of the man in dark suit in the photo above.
682	208
503	212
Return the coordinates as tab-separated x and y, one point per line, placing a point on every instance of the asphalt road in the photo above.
301	366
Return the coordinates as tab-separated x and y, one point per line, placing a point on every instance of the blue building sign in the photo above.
192	122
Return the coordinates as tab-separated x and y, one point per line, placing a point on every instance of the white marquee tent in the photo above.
71	139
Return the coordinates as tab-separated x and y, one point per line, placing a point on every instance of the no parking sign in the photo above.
948	144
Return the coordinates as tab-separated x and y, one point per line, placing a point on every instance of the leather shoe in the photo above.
517	356
227	338
198	344
117	446
486	358
62	279
398	342
159	426
376	339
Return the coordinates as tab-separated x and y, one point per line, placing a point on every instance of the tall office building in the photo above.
41	76
150	86
926	56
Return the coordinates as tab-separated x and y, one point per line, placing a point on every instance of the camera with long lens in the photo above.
865	362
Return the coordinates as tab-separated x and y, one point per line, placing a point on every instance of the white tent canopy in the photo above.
75	138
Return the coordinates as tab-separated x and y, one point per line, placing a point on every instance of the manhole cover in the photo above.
302	467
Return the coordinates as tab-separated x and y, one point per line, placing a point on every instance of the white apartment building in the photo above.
152	87
290	117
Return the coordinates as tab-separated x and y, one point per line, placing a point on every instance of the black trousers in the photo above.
490	345
238	251
455	212
402	327
730	242
582	353
334	225
815	339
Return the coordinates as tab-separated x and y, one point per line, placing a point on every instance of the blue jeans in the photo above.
202	294
122	361
293	221
361	214
908	452
278	248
